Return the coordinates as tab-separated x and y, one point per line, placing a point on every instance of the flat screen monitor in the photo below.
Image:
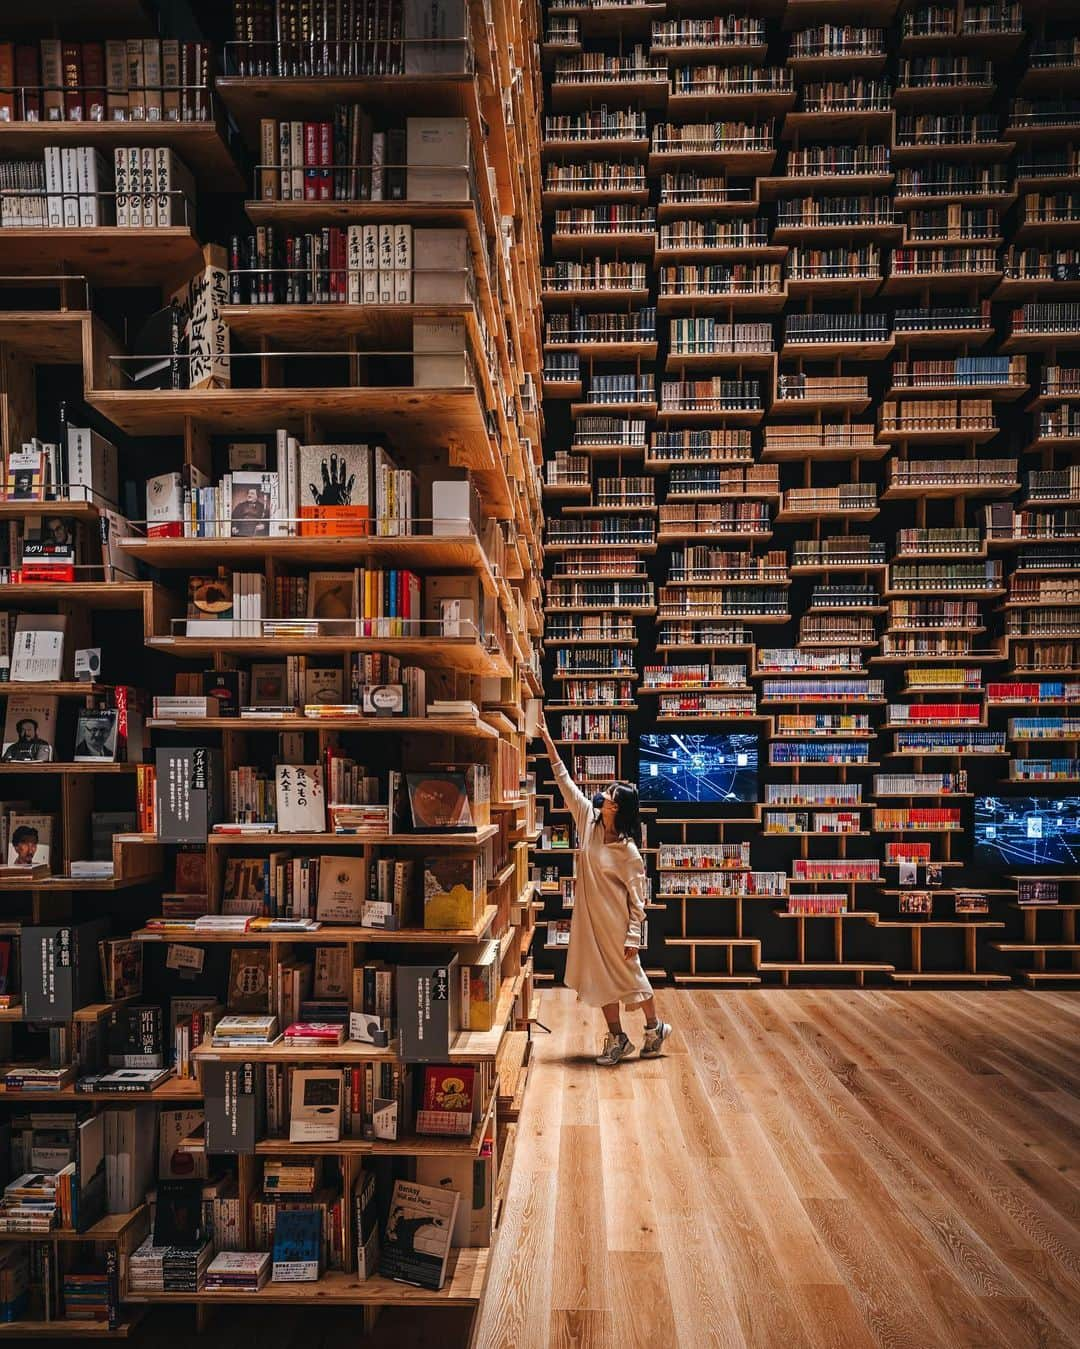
692	768
1028	831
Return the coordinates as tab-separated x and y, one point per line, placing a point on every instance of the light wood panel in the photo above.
818	1167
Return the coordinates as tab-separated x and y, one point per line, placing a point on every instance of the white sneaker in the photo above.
616	1047
654	1040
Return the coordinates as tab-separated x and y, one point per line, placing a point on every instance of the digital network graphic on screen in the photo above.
698	768
1028	831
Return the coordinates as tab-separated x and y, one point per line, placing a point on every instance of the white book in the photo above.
301	800
315	1116
123	209
37	649
87	203
386	264
69	177
149	198
355	262
91	467
164	504
134	188
54	187
402	264
116	560
174	186
370	265
284	146
238	603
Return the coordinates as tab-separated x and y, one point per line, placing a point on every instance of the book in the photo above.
301	803
29	728
249	982
418	1234
453	891
298	1244
439	802
178	1214
30	840
342	888
37	648
447	1101
316	1104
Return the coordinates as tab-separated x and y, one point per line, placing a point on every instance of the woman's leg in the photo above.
648	1007
611	1016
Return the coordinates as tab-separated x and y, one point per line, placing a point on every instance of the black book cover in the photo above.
178	1216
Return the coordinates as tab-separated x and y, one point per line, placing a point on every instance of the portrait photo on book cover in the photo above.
27	745
250	508
95	737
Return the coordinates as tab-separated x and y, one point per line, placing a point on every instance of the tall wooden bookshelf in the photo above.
809	340
326	374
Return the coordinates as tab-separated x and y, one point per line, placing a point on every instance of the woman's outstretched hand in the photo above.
545	736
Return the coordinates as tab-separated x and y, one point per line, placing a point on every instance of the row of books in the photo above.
385	264
361	37
121	79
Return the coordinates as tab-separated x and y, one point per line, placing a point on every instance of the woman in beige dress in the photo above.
603	965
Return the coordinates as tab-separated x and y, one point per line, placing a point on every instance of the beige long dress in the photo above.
609	907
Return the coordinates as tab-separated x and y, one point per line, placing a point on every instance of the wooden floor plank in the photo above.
834	1168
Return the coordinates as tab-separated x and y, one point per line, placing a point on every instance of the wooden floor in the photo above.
805	1167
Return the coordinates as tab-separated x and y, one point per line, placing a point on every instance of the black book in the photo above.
135	1037
178	1216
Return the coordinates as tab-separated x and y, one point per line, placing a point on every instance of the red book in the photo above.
30	572
71	58
447	1100
94	82
311	161
326	160
28	79
7	79
318	1032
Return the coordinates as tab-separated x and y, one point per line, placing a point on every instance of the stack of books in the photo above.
245	1031
241	1271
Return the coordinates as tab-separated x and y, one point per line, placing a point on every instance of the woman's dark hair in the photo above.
627	816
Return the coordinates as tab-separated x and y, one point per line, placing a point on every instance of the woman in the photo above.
602	964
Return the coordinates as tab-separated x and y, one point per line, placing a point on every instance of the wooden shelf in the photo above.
472	839
425	552
251	98
106	255
410	414
461	653
200	145
446	726
466	1274
329	934
45	336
